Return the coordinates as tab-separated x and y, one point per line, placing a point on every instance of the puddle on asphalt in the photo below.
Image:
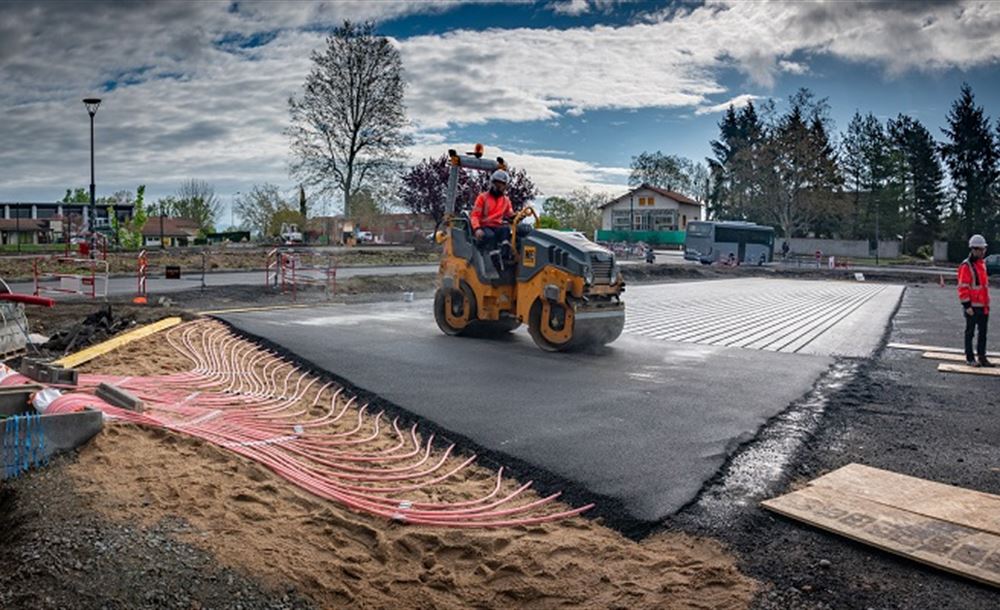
749	477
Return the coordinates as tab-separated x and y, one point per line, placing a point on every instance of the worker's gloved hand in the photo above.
479	234
970	311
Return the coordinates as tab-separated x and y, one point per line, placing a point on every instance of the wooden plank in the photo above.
114	343
965	507
961	550
933	348
944	356
971	370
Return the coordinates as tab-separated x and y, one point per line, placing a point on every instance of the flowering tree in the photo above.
424	187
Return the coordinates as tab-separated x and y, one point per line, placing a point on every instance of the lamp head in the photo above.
92	104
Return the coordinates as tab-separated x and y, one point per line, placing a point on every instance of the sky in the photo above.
569	90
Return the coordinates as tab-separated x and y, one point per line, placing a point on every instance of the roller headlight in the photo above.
588	274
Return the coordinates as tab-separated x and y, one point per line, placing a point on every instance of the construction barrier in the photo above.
142	266
90	273
285	269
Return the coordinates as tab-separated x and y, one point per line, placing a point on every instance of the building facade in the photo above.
648	208
63	218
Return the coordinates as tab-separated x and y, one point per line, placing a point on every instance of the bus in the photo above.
711	241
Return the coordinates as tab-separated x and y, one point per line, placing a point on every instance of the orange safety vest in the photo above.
973	284
490	211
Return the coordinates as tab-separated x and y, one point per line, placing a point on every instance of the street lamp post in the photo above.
92	104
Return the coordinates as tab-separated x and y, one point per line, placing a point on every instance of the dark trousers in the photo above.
978	320
493	236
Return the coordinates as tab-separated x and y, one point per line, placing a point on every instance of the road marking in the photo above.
771	315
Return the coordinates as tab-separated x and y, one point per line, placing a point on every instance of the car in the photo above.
992	264
365	236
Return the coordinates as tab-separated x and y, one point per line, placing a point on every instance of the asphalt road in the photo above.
638	426
897	412
159	285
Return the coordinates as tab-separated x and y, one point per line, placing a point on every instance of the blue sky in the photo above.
568	90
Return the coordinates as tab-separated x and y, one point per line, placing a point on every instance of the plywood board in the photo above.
944	356
971	370
961	550
965	507
114	343
934	348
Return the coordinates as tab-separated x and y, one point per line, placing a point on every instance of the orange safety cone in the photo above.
139	300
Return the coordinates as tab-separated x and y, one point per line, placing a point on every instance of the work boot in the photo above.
505	252
971	362
497	260
985	363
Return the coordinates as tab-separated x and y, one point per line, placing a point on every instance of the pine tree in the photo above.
971	155
922	177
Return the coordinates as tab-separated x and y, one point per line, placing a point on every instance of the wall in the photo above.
837	247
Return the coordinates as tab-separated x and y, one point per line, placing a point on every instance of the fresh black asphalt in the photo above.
638	427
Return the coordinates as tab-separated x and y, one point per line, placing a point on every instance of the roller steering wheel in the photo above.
521	215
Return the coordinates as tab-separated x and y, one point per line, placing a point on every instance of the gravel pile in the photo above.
68	557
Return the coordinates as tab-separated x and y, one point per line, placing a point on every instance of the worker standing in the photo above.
493	211
974	293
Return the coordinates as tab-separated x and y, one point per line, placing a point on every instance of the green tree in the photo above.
133	236
669	172
922	179
970	152
548	222
580	210
79	195
347	125
736	180
798	167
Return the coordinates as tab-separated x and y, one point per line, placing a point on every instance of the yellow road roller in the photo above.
566	288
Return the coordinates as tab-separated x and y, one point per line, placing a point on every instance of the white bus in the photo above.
711	241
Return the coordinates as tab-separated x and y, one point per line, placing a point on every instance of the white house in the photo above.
648	208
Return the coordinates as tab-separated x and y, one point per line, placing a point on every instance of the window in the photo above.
700	229
646	201
662	220
620	220
684	221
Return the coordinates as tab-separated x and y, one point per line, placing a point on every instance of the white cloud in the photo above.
571	7
737	102
552	175
792	67
188	107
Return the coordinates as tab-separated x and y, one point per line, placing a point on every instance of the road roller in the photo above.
564	287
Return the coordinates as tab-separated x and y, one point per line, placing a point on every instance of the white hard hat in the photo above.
977	241
500	176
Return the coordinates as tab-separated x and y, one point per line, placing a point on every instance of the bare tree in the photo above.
196	201
348	123
258	207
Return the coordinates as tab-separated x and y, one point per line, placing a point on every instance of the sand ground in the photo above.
256	522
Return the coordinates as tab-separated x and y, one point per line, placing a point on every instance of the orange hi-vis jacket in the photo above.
973	285
490	211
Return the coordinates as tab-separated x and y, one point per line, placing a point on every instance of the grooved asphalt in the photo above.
639	425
